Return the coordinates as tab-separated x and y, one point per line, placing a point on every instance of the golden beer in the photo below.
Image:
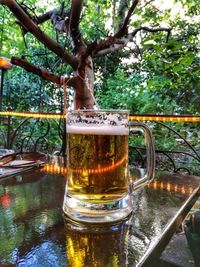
98	188
97	163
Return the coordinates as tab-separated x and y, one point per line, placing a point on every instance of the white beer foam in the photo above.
98	130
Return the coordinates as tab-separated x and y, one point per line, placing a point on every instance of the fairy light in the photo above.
190	190
170	187
33	115
175	188
162	185
163	118
156	185
183	189
64	170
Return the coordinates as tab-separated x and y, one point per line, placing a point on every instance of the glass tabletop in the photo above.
34	231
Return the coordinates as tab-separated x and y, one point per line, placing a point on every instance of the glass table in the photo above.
34	231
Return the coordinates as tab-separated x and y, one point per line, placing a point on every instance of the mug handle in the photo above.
150	148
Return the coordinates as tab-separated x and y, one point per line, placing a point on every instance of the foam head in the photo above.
98	130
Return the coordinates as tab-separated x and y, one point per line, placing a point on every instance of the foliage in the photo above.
164	78
151	75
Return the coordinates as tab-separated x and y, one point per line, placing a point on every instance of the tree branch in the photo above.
60	21
123	5
113	44
74	20
124	28
97	46
62	13
32	27
149	3
144	28
44	74
44	17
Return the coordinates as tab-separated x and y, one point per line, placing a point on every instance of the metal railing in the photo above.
25	131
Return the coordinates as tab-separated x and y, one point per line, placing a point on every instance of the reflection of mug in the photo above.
98	187
96	245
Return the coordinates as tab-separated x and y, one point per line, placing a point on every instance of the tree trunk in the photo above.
84	86
82	97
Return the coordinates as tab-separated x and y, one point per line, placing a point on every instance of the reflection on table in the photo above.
34	232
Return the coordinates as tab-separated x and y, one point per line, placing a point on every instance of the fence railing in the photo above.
177	138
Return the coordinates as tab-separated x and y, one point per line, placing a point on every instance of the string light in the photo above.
163	118
33	115
156	185
177	188
64	170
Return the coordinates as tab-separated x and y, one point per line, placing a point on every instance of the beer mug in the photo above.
98	188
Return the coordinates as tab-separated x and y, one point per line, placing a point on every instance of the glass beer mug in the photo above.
99	188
